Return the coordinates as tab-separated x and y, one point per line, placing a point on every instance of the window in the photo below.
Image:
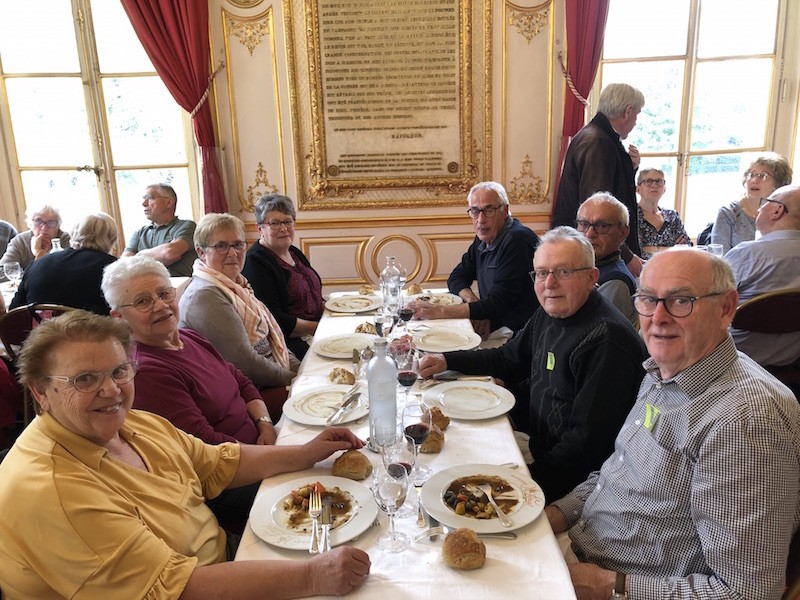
89	122
709	71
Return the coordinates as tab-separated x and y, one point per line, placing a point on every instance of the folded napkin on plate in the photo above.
497	338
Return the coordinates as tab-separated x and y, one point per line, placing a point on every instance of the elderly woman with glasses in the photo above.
219	304
25	247
281	275
736	222
101	501
659	228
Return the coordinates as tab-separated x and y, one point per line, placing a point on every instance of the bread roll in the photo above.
353	465
341	375
366	290
366	328
463	549
439	419
434	442
414	288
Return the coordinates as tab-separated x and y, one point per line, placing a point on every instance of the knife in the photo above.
433	522
326	520
440	377
348	404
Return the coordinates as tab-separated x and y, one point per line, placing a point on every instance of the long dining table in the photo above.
532	565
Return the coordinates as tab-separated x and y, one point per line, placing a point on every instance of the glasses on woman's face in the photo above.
762	176
224	247
652	182
276	225
145	303
91	381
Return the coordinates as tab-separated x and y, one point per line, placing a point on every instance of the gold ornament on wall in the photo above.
526	188
245	3
528	21
249	32
260	187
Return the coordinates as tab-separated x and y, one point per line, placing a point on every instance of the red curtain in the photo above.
174	34
586	24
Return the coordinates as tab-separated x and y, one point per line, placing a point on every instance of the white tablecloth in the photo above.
531	566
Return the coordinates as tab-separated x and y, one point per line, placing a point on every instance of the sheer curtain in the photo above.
174	34
586	23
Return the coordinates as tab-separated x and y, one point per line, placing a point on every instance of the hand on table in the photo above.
591	582
339	571
329	441
426	310
266	434
483	327
431	364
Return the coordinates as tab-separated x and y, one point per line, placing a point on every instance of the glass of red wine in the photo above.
417	425
407	368
401	452
405	313
389	487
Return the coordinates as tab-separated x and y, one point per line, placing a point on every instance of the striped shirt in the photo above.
702	494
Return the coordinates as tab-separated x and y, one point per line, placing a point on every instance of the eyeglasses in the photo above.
600	227
224	247
783	204
42	223
540	275
149	197
276	225
488	211
757	176
677	306
91	381
652	182
145	303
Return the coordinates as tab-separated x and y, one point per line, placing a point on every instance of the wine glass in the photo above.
402	453
407	368
417	425
384	321
405	313
389	487
13	272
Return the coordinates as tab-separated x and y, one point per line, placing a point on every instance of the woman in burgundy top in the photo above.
280	274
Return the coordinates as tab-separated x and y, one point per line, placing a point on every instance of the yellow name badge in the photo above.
551	361
651	414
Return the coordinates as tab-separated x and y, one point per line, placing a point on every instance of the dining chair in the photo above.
15	327
773	312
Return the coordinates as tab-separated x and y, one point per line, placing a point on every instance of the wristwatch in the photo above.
619	592
264	419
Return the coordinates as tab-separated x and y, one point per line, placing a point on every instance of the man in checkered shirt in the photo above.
702	494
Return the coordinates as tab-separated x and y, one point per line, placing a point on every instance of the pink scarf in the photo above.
258	321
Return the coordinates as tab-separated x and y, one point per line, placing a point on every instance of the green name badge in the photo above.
651	414
551	361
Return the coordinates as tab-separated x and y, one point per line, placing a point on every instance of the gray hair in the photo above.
645	172
269	202
95	232
118	275
164	190
608	198
35	212
569	234
497	188
213	221
616	97
777	166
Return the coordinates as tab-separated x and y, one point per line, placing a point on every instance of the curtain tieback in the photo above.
571	85
204	97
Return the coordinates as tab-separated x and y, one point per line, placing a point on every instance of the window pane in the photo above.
658	30
736	27
73	193
731	104
50	123
144	122
657	126
714	181
131	186
118	48
38	36
670	168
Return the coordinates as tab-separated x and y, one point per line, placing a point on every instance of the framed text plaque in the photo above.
390	100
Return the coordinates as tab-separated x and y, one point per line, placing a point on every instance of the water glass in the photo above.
402	453
715	249
13	272
389	488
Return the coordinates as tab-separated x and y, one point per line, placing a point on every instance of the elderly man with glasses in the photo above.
499	259
167	239
583	360
770	263
702	493
31	245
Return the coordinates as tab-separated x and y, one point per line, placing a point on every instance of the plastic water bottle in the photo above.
382	392
391	285
55	245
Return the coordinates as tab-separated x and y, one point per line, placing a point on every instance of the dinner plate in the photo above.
529	494
441	299
314	406
343	344
354	304
267	516
445	340
470	400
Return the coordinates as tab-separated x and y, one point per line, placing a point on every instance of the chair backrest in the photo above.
16	325
772	312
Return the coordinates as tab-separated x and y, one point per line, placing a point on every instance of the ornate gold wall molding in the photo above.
245	3
431	241
377	253
526	188
255	191
248	32
528	21
308	248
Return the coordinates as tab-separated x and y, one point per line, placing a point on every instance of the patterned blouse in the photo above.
671	231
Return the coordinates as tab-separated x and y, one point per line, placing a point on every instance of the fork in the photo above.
441	530
314	510
487	489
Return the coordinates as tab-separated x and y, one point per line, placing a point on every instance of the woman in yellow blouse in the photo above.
99	501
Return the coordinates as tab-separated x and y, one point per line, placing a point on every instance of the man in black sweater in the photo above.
583	358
